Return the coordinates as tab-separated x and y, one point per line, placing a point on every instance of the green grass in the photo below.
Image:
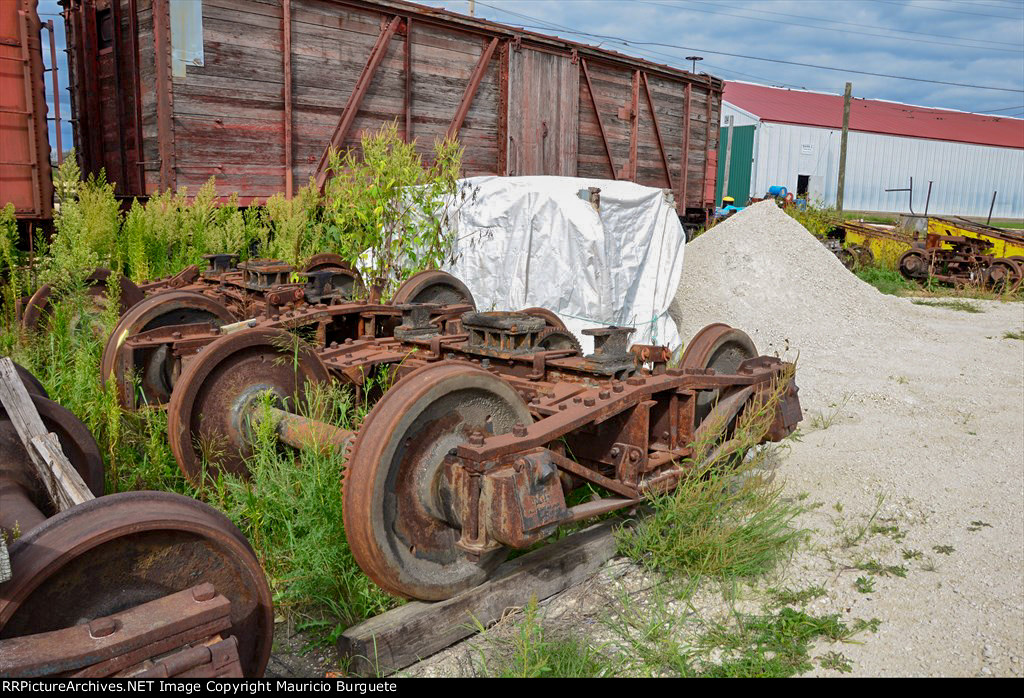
652	640
961	305
530	651
1014	335
864	585
886	280
836	661
291	511
793	597
876	567
725	519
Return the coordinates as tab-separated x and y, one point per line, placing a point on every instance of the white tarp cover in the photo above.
532	241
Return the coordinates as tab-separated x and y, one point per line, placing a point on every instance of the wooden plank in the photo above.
63	483
412	632
164	95
657	132
471	88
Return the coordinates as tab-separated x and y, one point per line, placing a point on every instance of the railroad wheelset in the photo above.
472	451
127	357
154	341
1004	273
38	307
98	560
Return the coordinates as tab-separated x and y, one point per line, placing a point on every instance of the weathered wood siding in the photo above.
528	107
543	115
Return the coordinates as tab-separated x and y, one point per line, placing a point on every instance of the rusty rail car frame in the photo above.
604	419
295	76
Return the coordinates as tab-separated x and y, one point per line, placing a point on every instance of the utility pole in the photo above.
842	147
472	8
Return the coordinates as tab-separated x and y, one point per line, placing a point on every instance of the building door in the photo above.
741	161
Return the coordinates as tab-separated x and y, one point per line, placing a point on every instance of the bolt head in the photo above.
204	592
102	627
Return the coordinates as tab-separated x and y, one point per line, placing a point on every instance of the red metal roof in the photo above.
874	116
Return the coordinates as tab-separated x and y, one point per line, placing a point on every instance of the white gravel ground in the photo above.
929	406
924	407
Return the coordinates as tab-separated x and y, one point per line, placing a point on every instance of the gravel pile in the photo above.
764	273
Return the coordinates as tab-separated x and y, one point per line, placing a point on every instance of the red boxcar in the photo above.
25	177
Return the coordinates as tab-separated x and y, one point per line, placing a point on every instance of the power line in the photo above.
631	42
644	51
941	9
975	3
988	111
829	29
888	29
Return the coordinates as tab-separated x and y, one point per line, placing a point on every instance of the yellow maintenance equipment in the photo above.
1005	243
886	243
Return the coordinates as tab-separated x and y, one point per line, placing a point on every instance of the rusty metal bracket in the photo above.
348	115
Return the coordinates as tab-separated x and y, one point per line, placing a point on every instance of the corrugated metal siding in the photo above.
24	144
963	175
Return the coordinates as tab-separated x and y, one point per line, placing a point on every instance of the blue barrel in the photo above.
777	191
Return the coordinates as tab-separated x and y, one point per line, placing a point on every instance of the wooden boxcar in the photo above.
25	178
167	93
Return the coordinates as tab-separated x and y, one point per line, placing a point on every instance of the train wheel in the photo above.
75	440
548	316
38	308
554	339
116	552
208	415
32	384
913	264
720	348
865	257
156	367
326	260
1004	273
399	528
848	258
433	286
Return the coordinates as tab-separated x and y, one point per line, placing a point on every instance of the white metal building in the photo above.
791	138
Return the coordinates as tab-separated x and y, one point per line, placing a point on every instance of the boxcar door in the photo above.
543	113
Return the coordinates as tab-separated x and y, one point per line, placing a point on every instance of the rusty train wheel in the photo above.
913	264
75	440
326	260
554	339
208	414
119	551
399	528
720	348
31	383
1004	273
548	316
848	258
865	257
433	286
155	368
38	307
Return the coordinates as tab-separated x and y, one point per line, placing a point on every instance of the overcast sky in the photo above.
973	42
